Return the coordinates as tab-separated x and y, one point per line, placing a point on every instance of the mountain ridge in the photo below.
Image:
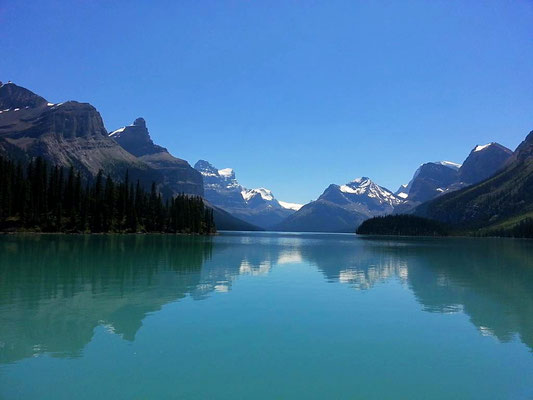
177	175
256	206
341	208
504	198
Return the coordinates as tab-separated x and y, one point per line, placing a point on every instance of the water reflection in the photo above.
55	290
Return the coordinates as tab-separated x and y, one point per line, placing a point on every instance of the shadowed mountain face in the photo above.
13	96
177	175
495	203
342	208
431	180
434	179
65	134
255	206
483	162
80	283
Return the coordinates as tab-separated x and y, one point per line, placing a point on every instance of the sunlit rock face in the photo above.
256	206
65	134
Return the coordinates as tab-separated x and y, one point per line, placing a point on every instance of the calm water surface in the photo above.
265	316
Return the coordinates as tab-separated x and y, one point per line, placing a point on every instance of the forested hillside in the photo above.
43	198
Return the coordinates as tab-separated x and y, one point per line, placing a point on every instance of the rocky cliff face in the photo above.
66	134
177	175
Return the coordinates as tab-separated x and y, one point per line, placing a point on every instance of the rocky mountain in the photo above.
66	134
437	178
73	134
430	180
493	205
177	175
483	162
255	206
342	208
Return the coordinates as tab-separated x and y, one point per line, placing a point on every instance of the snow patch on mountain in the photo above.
402	195
234	197
290	206
265	194
366	187
227	173
482	147
114	133
449	164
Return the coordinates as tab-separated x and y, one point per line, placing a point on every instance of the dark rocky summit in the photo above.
431	180
177	175
483	162
13	96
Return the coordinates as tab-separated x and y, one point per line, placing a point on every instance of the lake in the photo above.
265	315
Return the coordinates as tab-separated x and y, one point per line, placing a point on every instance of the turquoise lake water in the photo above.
265	315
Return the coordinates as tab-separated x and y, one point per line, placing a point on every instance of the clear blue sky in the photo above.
293	94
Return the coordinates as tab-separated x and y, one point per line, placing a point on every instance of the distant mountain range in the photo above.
255	206
492	189
342	207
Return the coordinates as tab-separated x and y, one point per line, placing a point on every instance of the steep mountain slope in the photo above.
483	162
431	179
13	96
342	208
495	203
220	186
256	206
66	134
224	221
177	175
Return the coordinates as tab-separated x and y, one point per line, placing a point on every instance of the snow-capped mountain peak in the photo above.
227	173
257	206
365	186
290	206
361	191
265	194
361	180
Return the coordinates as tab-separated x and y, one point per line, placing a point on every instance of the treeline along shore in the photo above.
412	225
38	197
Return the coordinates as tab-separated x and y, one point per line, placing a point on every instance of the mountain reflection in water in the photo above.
55	290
